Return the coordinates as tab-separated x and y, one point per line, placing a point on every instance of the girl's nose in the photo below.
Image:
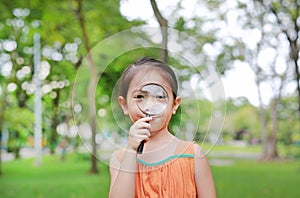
148	104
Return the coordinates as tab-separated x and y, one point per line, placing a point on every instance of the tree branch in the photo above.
163	23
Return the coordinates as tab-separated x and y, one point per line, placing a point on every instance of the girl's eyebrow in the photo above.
136	90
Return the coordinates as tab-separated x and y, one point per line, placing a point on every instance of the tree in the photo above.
62	48
272	73
58	55
252	36
16	71
287	15
85	13
91	86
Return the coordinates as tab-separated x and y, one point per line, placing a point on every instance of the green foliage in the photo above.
19	123
289	121
180	24
241	116
19	119
62	49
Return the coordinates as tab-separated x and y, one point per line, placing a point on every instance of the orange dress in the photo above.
171	177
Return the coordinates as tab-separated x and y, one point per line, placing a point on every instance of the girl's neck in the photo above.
160	140
161	136
160	146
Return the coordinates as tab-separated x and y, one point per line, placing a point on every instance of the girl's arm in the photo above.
203	176
122	175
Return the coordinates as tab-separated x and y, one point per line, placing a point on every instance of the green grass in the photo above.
220	147
70	178
21	178
258	179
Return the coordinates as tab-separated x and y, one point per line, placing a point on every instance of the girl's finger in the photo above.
145	119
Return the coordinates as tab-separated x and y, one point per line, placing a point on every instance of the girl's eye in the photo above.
139	96
161	97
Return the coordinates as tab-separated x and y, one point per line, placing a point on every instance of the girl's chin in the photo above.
155	130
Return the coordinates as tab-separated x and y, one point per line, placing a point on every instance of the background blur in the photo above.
60	62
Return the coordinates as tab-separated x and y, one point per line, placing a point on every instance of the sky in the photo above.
237	82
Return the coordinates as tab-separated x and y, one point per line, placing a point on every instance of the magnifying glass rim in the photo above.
163	89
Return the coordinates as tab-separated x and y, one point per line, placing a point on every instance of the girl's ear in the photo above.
176	104
123	104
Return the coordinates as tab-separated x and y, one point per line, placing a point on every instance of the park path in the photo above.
24	153
216	158
227	158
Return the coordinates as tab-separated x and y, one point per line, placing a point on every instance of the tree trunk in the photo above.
69	112
262	117
16	145
17	152
91	87
295	57
163	23
295	50
0	149
2	110
270	147
92	116
55	122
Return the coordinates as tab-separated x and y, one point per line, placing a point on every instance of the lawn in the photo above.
258	179
70	179
55	179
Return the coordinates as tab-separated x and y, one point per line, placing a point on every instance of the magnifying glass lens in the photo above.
152	99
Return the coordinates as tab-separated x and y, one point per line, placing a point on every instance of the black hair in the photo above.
129	72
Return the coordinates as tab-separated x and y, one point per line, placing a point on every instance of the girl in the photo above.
168	166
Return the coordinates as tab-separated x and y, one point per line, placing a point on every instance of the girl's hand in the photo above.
139	131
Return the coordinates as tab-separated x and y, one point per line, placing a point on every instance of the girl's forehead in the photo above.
142	78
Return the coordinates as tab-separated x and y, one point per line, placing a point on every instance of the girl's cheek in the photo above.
135	115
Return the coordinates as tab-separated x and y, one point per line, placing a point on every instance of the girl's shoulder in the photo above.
186	147
189	147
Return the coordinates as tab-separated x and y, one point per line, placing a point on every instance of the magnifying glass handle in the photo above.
141	147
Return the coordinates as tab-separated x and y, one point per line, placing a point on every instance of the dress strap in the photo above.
185	147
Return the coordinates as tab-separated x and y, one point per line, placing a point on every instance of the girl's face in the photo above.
130	104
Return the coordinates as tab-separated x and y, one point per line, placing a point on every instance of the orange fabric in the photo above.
173	177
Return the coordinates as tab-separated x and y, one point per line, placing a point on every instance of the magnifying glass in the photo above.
152	101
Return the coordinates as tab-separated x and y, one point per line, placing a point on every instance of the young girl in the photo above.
168	166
